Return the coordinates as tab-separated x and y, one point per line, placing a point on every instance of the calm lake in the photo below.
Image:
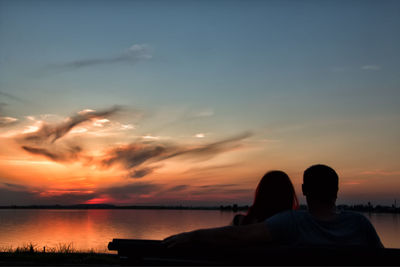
93	229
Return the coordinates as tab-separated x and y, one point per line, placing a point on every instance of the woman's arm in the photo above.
238	220
252	234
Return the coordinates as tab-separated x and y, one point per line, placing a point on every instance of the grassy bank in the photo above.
61	255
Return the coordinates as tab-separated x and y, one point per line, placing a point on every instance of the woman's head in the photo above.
275	193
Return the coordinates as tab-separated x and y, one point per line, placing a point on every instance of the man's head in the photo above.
320	183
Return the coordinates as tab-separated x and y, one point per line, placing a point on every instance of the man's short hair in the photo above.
320	182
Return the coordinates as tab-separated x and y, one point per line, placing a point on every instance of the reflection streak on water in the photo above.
387	227
93	229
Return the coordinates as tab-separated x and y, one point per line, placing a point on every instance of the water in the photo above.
93	229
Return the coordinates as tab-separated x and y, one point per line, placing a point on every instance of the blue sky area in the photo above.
322	77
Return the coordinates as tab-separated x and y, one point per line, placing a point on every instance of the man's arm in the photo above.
252	234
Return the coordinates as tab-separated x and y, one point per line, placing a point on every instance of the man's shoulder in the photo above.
353	216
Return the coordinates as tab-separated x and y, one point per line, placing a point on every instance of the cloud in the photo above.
66	154
212	149
138	159
134	54
200	135
65	198
227	190
50	133
13	196
217	186
381	173
130	190
141	172
7	121
138	154
43	141
371	67
177	188
14	186
133	155
211	168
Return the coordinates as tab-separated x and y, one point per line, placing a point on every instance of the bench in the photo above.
153	252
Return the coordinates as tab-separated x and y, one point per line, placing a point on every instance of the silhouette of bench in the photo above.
153	252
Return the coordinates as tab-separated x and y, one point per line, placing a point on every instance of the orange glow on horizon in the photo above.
111	167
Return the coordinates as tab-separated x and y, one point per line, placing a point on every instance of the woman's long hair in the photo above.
275	193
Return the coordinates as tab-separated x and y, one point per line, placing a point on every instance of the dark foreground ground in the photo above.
57	259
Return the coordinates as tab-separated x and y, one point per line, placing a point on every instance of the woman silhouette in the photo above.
275	193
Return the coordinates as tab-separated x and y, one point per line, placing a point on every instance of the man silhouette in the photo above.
321	225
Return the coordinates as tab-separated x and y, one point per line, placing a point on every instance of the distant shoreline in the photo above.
135	207
232	208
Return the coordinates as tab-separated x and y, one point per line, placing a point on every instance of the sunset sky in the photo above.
191	102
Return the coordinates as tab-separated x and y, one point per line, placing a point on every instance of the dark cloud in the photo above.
66	154
221	191
138	159
67	198
178	188
43	142
51	133
138	154
141	172
132	55
127	191
14	196
215	186
212	149
211	168
134	155
14	186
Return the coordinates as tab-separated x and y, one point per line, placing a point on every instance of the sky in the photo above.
191	102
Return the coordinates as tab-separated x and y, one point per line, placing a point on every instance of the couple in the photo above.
279	223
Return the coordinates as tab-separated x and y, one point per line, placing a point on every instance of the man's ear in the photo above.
303	188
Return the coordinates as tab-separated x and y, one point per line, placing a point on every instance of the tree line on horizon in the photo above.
233	208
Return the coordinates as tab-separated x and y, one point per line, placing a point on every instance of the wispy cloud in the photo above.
371	67
135	53
15	186
130	190
200	135
144	154
139	173
50	133
137	159
209	150
43	141
66	154
381	173
5	120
